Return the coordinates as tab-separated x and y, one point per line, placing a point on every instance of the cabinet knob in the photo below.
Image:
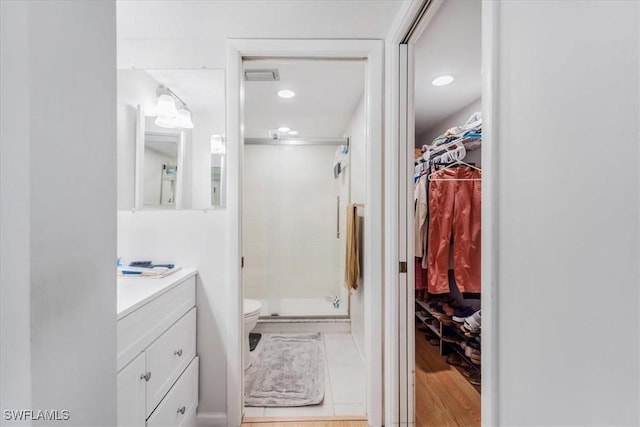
181	410
178	353
146	376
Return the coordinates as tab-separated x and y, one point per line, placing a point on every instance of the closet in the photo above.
447	185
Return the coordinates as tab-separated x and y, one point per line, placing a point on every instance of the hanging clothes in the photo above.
420	215
352	253
420	275
454	211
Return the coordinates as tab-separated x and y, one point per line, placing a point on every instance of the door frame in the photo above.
400	302
372	51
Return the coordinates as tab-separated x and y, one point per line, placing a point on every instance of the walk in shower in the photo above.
294	214
302	125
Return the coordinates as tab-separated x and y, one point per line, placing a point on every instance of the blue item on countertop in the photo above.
140	263
149	264
131	272
169	266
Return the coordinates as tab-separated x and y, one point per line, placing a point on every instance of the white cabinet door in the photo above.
131	394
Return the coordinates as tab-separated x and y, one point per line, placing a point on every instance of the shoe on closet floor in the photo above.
454	359
446	320
462	313
473	323
436	308
450	308
475	379
452	339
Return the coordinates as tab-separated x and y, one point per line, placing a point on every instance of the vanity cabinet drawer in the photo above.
138	330
168	356
178	408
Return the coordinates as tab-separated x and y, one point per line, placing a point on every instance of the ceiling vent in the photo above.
262	75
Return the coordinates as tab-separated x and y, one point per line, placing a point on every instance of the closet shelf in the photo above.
434	329
446	346
421	317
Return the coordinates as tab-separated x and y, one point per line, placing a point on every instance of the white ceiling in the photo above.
166	34
192	34
327	93
450	45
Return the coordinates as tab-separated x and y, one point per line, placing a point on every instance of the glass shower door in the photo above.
294	213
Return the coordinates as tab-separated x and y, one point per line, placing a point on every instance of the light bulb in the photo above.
286	93
442	81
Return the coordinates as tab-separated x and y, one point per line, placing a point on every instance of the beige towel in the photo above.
352	261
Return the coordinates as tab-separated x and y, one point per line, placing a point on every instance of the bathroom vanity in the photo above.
156	358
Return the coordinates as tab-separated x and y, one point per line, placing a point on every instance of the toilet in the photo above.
251	314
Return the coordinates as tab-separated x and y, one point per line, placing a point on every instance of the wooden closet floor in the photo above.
444	397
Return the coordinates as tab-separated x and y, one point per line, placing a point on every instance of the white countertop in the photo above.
136	291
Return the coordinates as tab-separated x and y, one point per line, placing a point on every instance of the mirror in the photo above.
161	187
169	162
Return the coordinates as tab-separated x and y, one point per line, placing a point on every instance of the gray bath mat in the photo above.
288	371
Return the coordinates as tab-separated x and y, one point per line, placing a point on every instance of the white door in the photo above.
406	299
131	394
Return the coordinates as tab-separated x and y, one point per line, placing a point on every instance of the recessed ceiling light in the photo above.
283	129
286	93
293	132
442	81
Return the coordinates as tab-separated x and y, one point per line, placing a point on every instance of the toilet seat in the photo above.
251	307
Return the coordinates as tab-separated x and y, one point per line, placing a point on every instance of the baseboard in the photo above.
211	419
302	325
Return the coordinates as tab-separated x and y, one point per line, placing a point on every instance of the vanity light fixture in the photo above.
442	80
166	106
168	116
183	119
165	122
283	129
286	93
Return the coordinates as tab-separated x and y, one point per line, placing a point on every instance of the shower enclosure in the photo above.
294	211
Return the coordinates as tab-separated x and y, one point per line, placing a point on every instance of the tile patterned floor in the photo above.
344	382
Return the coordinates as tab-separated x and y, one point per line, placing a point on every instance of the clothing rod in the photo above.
297	141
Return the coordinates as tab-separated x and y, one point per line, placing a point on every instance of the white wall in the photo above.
357	172
62	89
198	239
568	98
15	201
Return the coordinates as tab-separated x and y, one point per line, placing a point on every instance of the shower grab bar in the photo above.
338	218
